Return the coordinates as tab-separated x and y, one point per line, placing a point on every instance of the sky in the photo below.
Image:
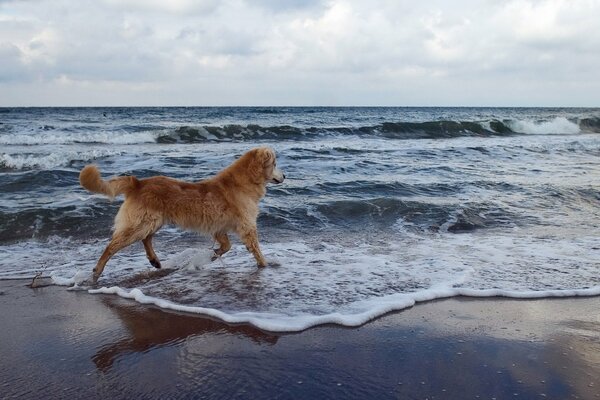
300	52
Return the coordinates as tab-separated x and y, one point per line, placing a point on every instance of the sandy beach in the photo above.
58	343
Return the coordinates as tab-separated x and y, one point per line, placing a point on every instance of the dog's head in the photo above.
265	157
262	165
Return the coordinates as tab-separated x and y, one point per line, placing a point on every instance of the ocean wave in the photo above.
395	130
387	212
558	125
124	137
435	208
73	220
190	134
66	221
38	180
455	218
590	125
439	129
389	130
395	189
432	206
52	160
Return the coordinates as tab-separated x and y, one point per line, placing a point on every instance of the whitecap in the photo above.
53	160
557	125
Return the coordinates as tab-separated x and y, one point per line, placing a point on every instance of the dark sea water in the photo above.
381	208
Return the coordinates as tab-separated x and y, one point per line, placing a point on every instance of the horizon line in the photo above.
292	106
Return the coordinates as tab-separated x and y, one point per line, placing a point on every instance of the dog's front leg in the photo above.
249	236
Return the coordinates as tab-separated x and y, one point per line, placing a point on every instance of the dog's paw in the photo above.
270	264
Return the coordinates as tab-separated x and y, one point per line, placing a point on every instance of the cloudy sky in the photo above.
300	52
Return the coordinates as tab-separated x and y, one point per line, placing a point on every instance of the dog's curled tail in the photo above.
89	177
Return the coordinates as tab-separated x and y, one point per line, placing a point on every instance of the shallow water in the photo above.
382	208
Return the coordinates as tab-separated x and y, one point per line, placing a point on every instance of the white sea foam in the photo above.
52	160
28	258
321	282
370	309
190	259
55	138
558	125
76	280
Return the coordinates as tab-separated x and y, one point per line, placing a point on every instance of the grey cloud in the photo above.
12	67
287	5
175	7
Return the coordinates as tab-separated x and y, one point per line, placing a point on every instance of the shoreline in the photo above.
63	343
276	323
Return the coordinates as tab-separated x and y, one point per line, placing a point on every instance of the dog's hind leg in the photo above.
224	245
249	236
150	251
120	240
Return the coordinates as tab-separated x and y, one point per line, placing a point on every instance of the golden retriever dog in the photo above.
227	202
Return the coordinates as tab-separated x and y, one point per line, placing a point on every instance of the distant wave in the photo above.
236	132
190	134
559	125
72	137
390	130
52	160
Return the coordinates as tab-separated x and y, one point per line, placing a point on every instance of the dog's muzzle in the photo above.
277	177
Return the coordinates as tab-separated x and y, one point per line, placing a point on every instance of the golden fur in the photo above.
228	202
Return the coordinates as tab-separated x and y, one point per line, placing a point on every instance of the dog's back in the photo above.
203	206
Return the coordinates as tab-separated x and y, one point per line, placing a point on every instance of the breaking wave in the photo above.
390	130
47	161
58	137
239	132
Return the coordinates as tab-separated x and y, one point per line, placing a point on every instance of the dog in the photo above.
227	202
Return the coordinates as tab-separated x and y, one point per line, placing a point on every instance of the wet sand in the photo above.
61	344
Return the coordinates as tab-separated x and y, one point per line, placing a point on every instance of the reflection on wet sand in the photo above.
582	348
215	287
150	328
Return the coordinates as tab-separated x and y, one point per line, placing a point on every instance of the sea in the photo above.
382	208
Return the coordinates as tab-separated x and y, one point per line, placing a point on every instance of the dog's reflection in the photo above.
149	328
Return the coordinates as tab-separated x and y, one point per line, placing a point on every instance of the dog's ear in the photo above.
267	156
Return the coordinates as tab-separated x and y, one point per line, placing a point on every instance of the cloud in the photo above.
287	5
11	67
513	52
177	7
